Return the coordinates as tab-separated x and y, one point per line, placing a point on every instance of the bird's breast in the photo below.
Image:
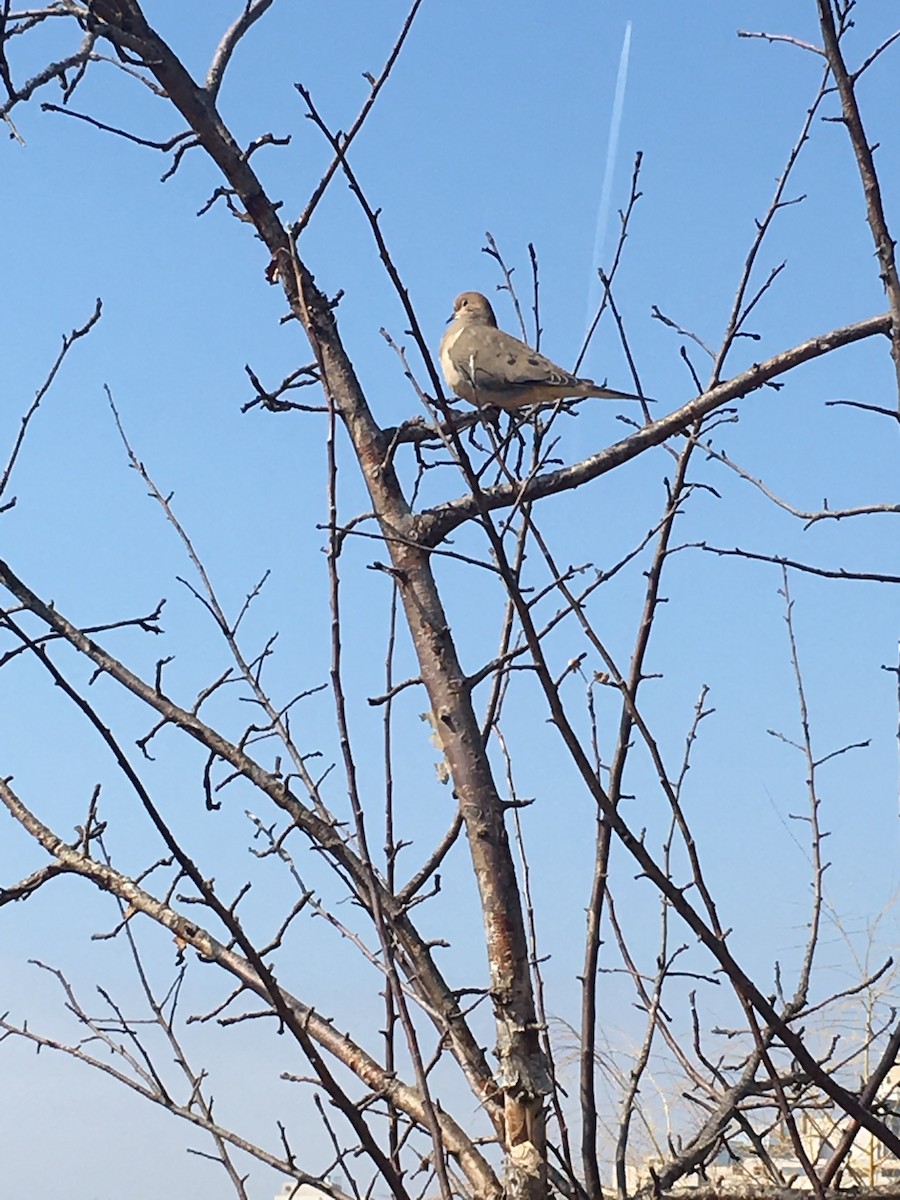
448	359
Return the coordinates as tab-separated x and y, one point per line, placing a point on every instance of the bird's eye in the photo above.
464	303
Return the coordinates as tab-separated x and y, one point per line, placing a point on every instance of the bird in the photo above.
488	367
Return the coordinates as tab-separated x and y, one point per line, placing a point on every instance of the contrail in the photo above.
615	124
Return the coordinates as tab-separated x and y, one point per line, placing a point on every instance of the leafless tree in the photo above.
389	1094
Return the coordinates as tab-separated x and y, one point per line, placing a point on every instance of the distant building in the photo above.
868	1165
301	1191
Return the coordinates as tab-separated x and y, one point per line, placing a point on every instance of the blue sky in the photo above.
487	124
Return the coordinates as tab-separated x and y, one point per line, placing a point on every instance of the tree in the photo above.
501	639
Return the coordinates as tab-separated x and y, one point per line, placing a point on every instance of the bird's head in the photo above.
473	309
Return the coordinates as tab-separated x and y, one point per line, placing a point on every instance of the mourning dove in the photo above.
486	366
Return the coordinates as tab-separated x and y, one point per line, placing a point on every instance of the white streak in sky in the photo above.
615	124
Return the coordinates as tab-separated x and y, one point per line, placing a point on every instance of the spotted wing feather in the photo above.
509	366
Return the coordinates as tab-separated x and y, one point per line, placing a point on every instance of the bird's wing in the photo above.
494	361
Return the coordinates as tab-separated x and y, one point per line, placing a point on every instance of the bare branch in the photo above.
865	160
347	138
437	523
253	10
68	341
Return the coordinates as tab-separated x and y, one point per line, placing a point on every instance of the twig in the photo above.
67	343
341	149
253	10
865	161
